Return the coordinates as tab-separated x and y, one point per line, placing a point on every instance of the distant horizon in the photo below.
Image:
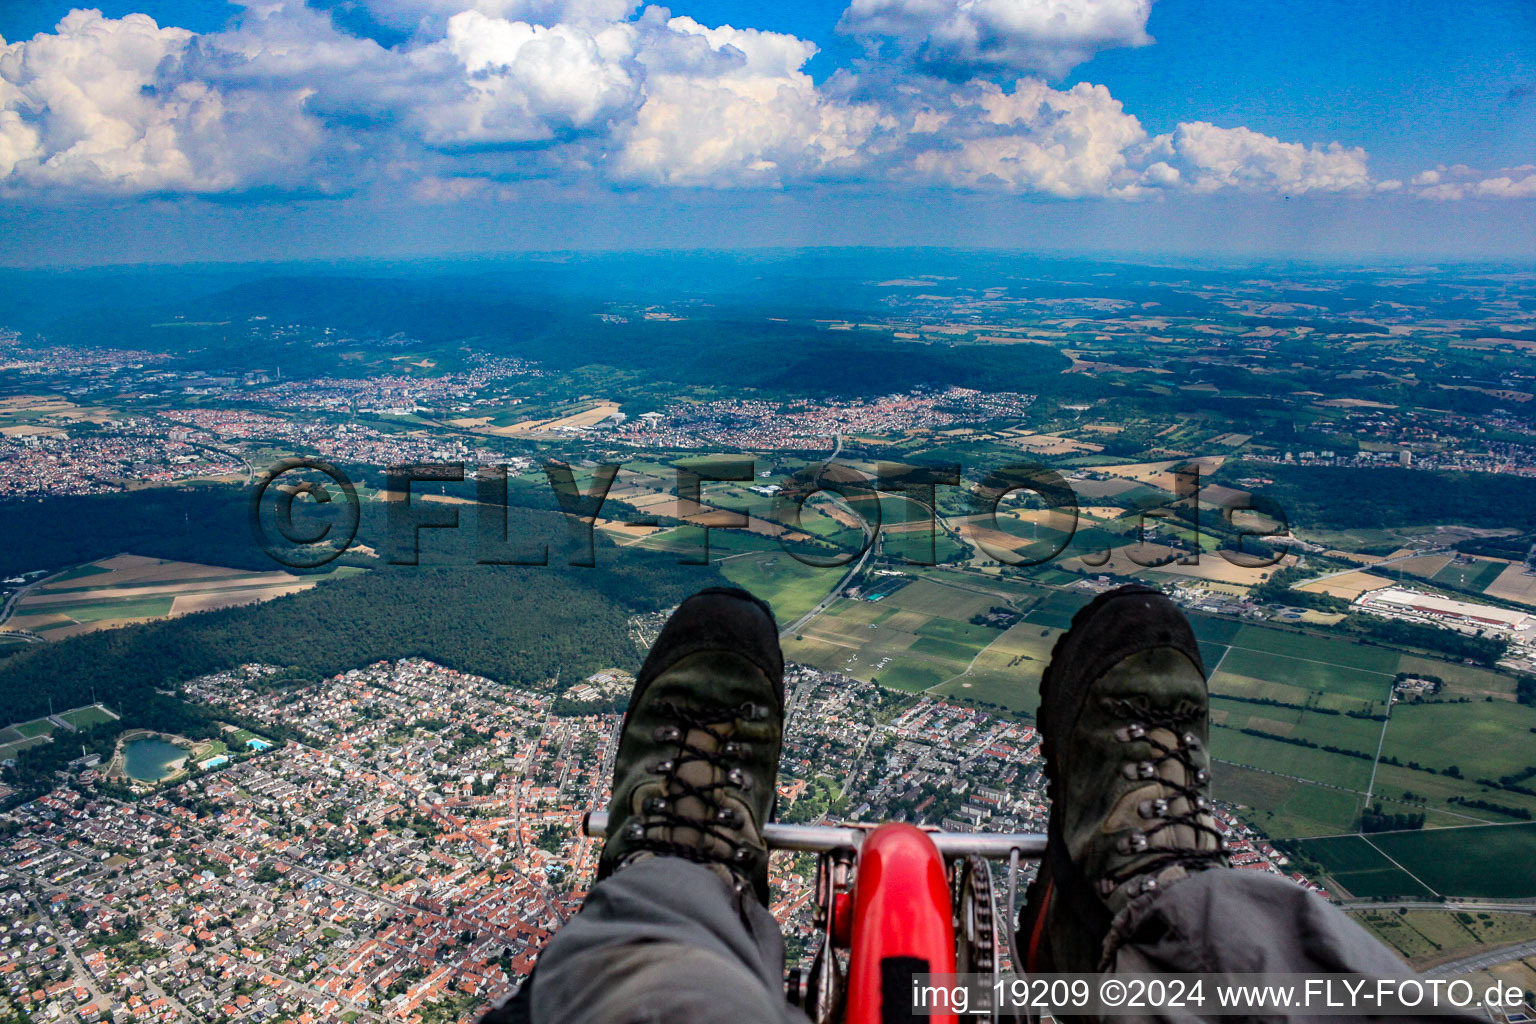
1151	259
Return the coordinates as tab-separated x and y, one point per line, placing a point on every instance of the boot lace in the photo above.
719	823
1190	787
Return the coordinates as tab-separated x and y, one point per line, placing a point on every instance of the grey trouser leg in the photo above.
664	940
1244	922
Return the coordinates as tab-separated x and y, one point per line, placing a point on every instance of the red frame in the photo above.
902	923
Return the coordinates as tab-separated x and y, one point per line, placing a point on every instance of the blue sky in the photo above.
1324	128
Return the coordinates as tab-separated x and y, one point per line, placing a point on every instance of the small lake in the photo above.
149	760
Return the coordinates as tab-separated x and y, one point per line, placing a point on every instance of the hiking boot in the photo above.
698	757
1124	725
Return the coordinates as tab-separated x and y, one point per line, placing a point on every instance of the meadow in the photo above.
1362	869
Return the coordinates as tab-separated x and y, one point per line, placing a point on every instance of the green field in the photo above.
909	677
1057	609
920	636
10	750
1224	682
1316	647
1361	868
131	608
1341	731
1019	692
931	597
1459	678
790	587
1209	629
1315	673
84	718
1305	763
78	572
1432	794
970	636
1494	861
1304	671
1285	807
1484	739
958	653
1474	576
240	737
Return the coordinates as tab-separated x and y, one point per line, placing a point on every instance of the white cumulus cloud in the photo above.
499	81
476	95
431	16
101	105
959	38
1034	139
1212	158
1462	182
728	106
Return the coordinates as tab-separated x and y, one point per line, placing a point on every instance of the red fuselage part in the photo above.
902	925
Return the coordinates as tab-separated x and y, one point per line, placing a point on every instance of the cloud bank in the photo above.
453	97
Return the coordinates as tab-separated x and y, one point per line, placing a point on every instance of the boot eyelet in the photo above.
1146	770
634	830
739	779
1202	776
1153	808
662	767
727	816
667	734
742	855
1149	885
753	712
1136	842
734	748
1189	739
654	805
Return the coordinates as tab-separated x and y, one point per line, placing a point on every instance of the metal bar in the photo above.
826	838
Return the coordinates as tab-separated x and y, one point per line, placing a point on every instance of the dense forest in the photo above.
514	624
196	524
1344	498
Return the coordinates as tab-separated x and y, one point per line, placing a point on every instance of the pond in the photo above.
150	760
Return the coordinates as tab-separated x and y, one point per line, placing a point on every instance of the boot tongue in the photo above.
701	775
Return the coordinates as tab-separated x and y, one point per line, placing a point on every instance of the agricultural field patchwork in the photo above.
131	588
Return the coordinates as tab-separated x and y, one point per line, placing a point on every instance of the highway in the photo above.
836	591
1482	961
1502	906
850	575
